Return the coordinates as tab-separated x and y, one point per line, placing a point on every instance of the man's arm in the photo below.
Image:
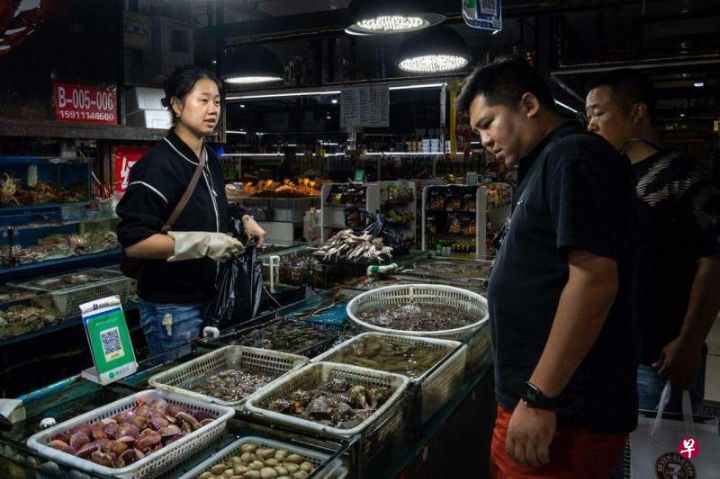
680	359
584	305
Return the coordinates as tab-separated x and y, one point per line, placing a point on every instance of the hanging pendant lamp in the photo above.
381	17
435	50
251	64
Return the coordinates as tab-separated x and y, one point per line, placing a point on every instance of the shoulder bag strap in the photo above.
188	193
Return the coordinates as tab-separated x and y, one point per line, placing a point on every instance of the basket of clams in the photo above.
139	436
338	401
227	376
260	458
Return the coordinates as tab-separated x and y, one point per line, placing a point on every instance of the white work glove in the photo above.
199	244
211	332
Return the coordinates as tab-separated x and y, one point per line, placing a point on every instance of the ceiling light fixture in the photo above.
251	64
380	17
699	84
439	49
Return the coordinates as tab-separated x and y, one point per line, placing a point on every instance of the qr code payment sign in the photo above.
111	344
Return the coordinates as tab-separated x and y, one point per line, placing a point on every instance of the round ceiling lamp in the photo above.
251	64
381	17
436	50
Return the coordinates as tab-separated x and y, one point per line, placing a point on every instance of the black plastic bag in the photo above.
238	290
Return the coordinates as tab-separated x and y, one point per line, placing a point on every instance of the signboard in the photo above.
85	103
109	339
483	14
365	107
125	158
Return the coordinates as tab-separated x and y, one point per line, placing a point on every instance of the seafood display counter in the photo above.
304	419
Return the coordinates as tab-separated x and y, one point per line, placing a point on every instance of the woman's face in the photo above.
199	111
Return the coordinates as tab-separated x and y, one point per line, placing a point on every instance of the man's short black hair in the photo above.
628	87
504	82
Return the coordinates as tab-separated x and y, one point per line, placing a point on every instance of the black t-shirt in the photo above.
577	193
679	212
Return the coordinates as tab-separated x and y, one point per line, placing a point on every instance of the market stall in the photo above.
226	404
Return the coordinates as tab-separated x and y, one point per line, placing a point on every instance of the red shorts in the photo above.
575	453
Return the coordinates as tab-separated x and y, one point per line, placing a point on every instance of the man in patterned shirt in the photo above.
679	209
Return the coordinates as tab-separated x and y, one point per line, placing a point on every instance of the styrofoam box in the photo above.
143	98
150	119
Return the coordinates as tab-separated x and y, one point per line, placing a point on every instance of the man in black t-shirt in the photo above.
564	341
678	295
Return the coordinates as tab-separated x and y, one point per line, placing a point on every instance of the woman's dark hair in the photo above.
504	82
183	79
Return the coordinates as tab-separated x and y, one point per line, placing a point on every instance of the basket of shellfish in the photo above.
228	375
435	366
431	310
269	458
139	436
338	401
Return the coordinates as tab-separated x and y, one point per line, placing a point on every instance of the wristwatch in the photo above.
535	398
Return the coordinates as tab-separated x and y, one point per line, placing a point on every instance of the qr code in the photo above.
111	344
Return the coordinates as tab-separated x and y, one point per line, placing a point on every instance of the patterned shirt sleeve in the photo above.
702	202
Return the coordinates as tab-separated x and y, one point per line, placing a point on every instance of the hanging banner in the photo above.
125	158
483	14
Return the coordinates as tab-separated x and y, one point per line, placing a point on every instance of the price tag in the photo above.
109	339
85	103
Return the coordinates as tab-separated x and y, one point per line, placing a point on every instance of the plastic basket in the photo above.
479	348
375	430
436	294
154	463
180	378
67	299
318	459
435	386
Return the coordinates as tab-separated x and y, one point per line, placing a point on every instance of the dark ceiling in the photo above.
677	43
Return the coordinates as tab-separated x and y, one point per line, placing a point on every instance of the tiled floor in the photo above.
712	372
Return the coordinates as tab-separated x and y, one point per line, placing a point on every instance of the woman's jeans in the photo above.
169	327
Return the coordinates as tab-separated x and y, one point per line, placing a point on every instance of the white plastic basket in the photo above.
435	294
436	385
180	378
376	429
318	459
154	463
68	298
